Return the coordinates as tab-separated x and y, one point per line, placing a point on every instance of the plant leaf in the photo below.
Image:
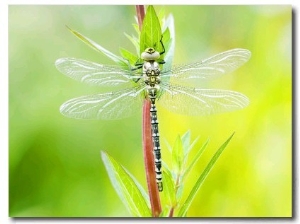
135	42
136	28
170	43
183	210
186	138
151	31
97	47
196	157
132	59
165	212
129	190
177	155
168	146
191	146
169	189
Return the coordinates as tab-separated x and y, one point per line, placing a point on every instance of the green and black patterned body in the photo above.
151	75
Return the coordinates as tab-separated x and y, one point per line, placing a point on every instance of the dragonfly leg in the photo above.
164	50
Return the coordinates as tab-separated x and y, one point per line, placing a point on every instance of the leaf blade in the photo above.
97	47
129	190
196	157
183	210
169	189
151	31
170	42
132	59
177	155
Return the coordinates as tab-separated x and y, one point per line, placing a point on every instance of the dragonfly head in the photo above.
150	54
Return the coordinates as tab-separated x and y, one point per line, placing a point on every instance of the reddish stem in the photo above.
147	141
140	11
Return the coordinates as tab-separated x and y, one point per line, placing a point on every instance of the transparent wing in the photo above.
194	102
94	73
107	106
212	67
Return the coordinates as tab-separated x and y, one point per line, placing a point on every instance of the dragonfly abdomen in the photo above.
156	146
151	74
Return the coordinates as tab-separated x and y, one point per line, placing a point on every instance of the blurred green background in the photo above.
55	167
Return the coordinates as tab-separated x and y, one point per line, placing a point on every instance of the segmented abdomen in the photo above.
156	146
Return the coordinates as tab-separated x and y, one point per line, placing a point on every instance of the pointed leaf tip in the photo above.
183	210
129	190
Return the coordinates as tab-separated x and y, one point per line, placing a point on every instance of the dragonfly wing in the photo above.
107	106
195	102
94	73
212	67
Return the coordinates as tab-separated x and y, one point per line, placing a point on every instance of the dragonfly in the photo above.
177	89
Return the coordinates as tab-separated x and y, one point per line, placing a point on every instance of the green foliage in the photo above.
196	157
183	210
97	47
181	150
135	41
151	31
169	41
54	167
150	36
133	195
132	58
177	155
169	189
129	190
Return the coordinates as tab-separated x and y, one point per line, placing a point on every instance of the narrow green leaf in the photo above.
137	29
127	187
132	59
97	47
177	155
186	138
161	14
170	43
168	146
195	159
169	189
165	212
135	41
166	39
151	31
187	203
191	146
165	166
168	170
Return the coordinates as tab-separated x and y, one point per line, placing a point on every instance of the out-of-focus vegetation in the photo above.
54	163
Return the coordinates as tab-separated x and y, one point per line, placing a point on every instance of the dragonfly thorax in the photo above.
151	72
151	75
